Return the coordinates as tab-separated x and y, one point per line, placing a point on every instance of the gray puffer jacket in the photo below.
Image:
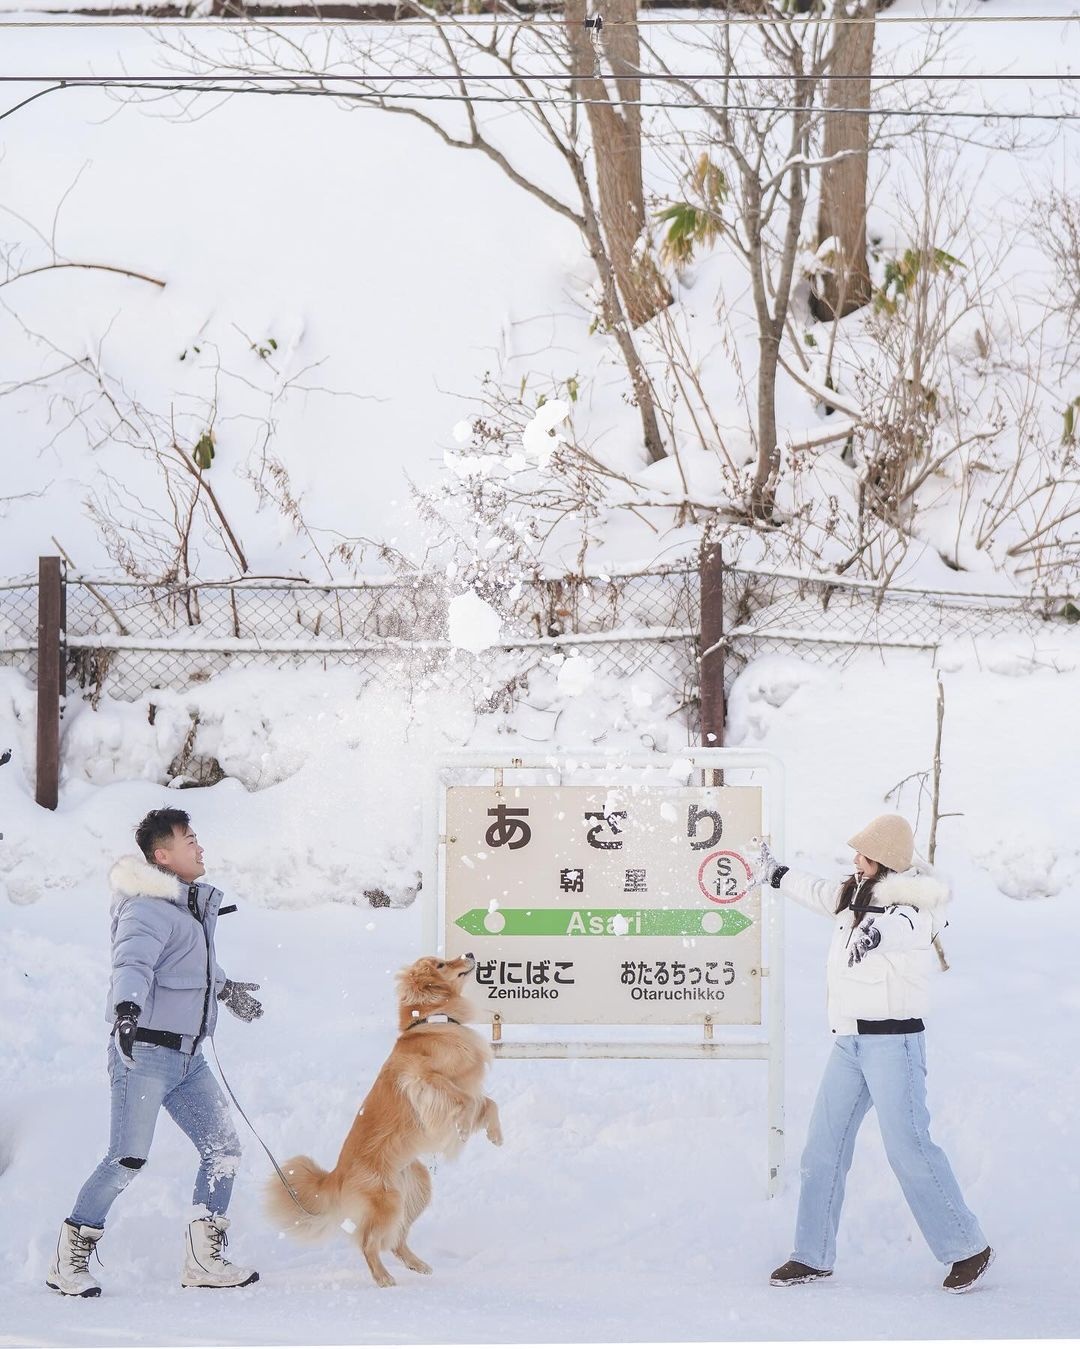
163	948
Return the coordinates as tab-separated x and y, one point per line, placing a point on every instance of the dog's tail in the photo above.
312	1211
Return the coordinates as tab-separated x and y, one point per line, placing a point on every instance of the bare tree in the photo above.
471	62
162	526
762	120
616	140
16	265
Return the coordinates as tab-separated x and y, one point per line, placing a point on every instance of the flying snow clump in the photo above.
540	438
474	624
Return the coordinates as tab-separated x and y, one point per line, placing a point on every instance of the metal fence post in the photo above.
711	672
51	679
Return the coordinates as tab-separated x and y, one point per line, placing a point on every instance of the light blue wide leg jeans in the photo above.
887	1072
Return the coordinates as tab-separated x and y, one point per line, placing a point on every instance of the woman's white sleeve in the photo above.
810	891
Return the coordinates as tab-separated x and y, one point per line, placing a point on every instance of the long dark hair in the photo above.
864	888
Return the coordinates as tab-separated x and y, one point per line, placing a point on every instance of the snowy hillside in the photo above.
326	290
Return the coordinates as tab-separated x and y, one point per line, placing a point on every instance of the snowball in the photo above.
471	465
1031	869
640	694
462	432
575	676
474	624
681	769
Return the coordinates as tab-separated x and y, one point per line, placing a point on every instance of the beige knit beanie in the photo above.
887	840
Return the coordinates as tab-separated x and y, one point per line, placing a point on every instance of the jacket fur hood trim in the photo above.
133	875
911	887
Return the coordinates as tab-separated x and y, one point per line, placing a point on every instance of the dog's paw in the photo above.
418	1266
385	1280
495	1134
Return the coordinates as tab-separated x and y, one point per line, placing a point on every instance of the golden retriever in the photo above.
428	1098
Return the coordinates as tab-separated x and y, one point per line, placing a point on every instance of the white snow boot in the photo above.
69	1272
205	1266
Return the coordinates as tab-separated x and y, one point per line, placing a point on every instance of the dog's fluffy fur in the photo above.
428	1098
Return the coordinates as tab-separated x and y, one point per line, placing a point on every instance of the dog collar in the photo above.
435	1017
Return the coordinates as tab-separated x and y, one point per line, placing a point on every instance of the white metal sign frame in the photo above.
770	1048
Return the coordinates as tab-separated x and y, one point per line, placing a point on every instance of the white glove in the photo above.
767	865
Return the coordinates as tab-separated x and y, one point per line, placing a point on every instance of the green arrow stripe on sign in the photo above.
604	922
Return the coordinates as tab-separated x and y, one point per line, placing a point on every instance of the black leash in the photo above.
273	1160
243	1115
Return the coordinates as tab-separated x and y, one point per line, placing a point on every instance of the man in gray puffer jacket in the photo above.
162	1004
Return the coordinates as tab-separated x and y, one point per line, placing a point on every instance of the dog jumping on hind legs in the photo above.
427	1098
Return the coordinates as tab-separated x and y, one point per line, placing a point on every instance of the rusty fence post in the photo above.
51	679
711	673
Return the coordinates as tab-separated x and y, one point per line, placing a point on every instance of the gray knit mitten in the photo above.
237	998
867	939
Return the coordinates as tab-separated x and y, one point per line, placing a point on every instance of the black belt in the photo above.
168	1039
912	1026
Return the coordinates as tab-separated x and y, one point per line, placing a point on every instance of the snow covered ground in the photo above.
627	1203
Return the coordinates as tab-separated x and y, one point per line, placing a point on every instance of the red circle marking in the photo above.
725	899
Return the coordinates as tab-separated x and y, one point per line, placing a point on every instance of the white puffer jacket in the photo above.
891	981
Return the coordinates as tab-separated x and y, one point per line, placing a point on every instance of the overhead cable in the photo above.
553	100
512	20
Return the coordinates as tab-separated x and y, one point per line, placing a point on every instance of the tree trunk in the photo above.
615	319
615	290
771	321
842	213
616	139
763	491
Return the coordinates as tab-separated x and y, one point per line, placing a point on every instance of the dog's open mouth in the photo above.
472	965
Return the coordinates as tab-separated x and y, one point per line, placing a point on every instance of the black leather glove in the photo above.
868	938
124	1028
237	998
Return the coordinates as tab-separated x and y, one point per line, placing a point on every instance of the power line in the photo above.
517	21
643	76
561	76
551	101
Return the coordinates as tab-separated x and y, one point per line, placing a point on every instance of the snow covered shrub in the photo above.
517	484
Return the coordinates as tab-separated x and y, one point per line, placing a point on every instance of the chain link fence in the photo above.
127	638
18	627
828	620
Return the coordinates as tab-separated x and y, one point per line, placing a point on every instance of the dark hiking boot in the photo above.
965	1274
796	1272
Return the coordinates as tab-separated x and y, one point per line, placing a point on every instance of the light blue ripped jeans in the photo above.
887	1072
185	1086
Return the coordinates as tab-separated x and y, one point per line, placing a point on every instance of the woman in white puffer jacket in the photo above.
885	918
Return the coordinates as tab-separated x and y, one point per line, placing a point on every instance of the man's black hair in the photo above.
157	828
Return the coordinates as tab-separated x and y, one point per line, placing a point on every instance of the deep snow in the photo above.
391	272
627	1203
